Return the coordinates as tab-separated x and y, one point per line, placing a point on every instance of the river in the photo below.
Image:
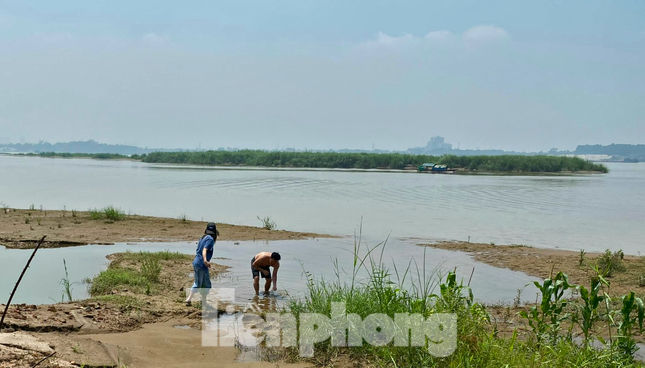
594	212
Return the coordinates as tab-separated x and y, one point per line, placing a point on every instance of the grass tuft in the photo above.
267	223
109	213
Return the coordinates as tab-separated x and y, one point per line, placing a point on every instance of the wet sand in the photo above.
23	228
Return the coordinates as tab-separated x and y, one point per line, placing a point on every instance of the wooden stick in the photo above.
471	276
6	308
43	359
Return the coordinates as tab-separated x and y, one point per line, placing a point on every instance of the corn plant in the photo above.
625	340
588	311
452	296
581	261
545	319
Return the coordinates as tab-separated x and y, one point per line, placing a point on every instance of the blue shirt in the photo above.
206	242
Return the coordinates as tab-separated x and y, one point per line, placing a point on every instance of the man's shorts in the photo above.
257	273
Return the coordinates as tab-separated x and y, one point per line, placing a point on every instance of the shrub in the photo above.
609	262
267	223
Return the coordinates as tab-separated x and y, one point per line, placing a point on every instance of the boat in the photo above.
432	168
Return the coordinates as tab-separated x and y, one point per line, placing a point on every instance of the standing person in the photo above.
201	263
260	266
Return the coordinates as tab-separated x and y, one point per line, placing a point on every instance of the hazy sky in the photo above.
520	75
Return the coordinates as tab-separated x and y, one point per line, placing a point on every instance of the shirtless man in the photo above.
260	266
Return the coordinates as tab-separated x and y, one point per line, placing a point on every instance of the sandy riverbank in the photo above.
123	324
540	262
21	228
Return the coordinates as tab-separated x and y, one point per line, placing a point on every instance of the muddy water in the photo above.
593	212
41	283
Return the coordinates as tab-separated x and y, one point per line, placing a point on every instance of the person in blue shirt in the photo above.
202	264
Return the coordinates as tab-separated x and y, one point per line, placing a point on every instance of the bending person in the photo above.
260	267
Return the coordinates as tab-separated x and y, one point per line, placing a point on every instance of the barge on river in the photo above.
431	168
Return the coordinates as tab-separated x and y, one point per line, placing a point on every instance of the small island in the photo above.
500	164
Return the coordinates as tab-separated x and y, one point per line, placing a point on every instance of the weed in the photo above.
581	261
67	286
27	220
95	214
609	262
113	213
109	213
38	220
60	225
150	269
77	349
5	207
113	278
267	223
517	302
183	217
74	213
32	207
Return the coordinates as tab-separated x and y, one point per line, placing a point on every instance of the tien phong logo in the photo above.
250	328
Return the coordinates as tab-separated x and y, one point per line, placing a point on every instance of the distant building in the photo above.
437	143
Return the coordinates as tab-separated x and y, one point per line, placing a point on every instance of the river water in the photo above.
593	212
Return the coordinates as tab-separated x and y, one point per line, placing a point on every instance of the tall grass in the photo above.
370	287
109	213
67	285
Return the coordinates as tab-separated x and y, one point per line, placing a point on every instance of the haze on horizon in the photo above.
523	76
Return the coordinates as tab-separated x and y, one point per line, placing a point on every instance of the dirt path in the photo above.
23	228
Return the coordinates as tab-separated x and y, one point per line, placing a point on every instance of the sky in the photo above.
514	75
